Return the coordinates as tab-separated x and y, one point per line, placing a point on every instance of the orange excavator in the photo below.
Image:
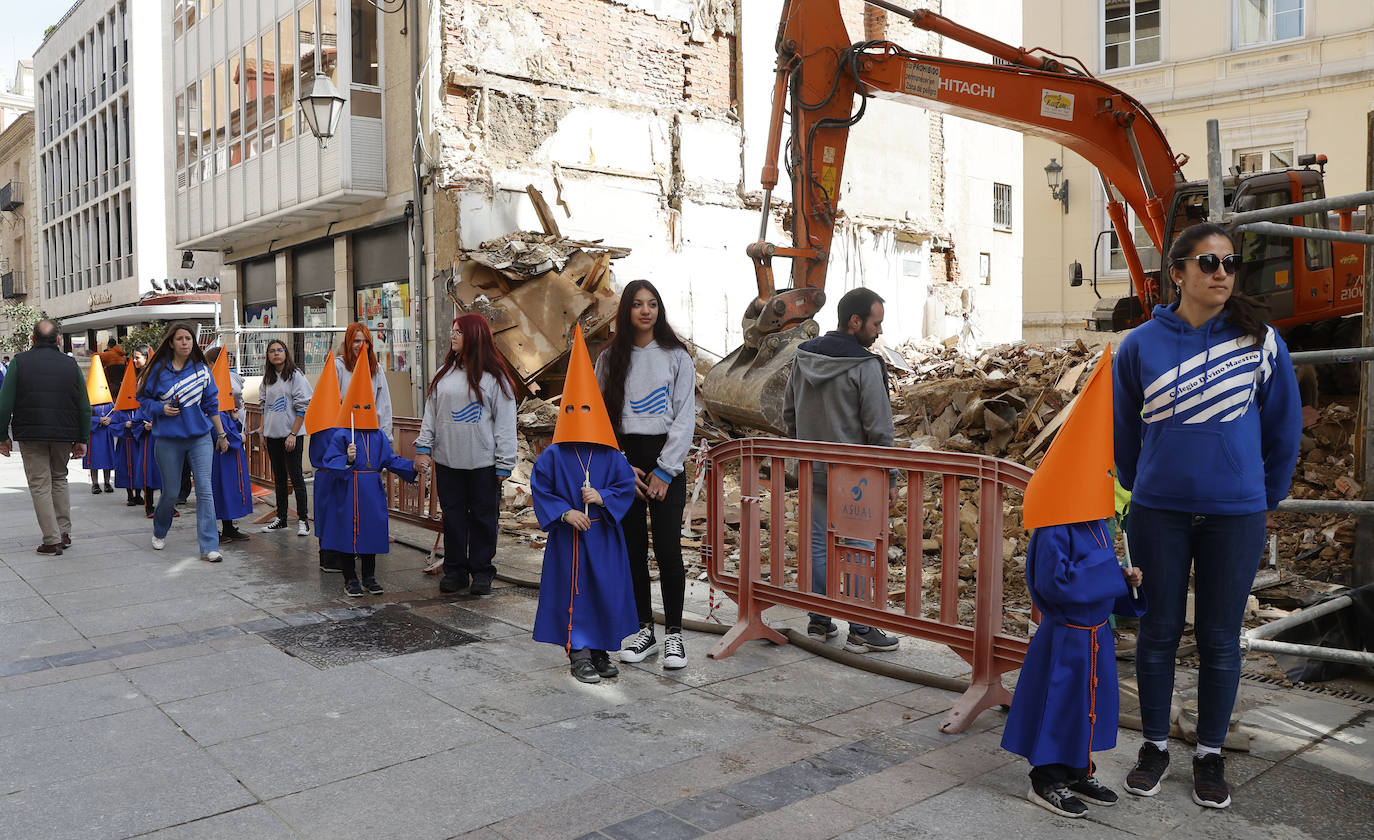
821	90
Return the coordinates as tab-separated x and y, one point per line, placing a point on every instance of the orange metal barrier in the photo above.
856	540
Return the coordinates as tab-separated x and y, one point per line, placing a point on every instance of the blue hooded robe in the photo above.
1073	580
359	526
328	483
230	483
135	466
100	449
602	599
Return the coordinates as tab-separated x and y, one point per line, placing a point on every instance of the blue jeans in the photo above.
1223	553
170	454
819	514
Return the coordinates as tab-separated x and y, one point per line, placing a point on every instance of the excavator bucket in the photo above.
748	386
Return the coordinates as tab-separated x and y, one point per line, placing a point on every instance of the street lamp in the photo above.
1059	191
323	107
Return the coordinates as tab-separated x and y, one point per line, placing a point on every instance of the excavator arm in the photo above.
823	84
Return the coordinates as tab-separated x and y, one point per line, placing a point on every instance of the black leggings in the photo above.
282	461
665	518
368	561
471	501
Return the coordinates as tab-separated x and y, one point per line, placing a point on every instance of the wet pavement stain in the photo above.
390	631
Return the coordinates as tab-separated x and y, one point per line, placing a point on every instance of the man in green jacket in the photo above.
44	406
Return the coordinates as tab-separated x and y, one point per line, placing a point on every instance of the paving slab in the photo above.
807	691
194	676
596	806
255	821
31	709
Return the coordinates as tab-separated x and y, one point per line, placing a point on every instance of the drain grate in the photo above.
391	631
1314	688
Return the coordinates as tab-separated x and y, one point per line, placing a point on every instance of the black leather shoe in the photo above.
605	668
50	549
95	489
481	586
450	584
109	488
584	671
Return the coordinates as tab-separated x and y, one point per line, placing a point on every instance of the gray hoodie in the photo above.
282	402
660	399
842	399
463	434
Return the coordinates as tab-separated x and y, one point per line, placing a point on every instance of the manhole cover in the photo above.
391	631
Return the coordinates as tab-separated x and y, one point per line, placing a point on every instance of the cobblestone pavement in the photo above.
146	693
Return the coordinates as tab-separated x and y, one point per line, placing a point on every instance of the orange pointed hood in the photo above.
1073	482
358	410
97	387
127	401
220	371
323	411
583	417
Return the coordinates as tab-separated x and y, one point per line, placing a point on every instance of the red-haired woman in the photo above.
357	347
468	436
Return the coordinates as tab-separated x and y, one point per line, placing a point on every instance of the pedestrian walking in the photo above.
1207	427
285	397
100	447
44	407
231	485
320	431
837	391
357	348
649	384
1065	707
177	392
360	454
135	467
581	487
467	437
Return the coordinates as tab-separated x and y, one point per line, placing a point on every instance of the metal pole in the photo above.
1350	657
1275	229
1302	208
1273	628
1329	507
1362	559
1337	356
1216	199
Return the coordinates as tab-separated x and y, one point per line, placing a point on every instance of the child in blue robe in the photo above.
232	487
100	449
359	525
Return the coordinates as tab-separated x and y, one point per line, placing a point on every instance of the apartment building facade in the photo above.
1283	78
18	234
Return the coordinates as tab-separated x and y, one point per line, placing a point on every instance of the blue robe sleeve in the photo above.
549	505
620	492
1061	575
395	464
336	454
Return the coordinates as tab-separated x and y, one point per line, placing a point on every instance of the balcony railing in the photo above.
11	195
12	285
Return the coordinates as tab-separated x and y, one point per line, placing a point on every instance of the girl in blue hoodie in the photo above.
178	393
1207	423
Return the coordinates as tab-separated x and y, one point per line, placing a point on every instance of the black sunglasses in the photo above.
1210	262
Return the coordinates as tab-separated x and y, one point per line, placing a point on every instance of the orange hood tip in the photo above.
220	372
582	415
1073	482
97	386
322	412
127	400
358	410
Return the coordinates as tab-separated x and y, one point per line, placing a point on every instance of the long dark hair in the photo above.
617	352
288	368
350	358
163	355
478	356
1242	310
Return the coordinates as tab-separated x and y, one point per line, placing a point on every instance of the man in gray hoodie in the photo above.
837	392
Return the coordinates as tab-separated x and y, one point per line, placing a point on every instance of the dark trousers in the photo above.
185	492
1223	553
350	571
1051	775
471	501
664	518
284	462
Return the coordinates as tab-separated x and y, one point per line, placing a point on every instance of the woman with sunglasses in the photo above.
285	397
1207	424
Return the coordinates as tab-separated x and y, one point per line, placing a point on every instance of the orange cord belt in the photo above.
577	542
1093	648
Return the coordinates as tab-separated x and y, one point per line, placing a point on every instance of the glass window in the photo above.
190	11
1001	206
1144	247
1264	21
207	127
235	107
250	100
305	25
1265	159
329	39
1317	251
267	81
1130	33
285	78
180	139
364	52
385	309
221	83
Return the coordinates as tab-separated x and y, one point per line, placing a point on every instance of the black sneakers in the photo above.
584	671
605	668
231	533
1151	766
640	646
1056	798
372	586
353	589
1092	790
450	584
822	629
480	586
674	652
277	525
1209	781
871	639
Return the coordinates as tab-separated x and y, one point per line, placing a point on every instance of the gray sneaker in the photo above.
822	630
871	639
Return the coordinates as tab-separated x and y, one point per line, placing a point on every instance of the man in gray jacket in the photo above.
837	392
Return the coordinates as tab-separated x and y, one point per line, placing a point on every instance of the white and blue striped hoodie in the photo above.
1208	420
194	389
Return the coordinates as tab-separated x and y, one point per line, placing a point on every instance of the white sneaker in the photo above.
159	544
212	557
674	652
639	646
303	530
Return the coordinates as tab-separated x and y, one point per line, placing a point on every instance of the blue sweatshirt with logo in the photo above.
1207	419
194	390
